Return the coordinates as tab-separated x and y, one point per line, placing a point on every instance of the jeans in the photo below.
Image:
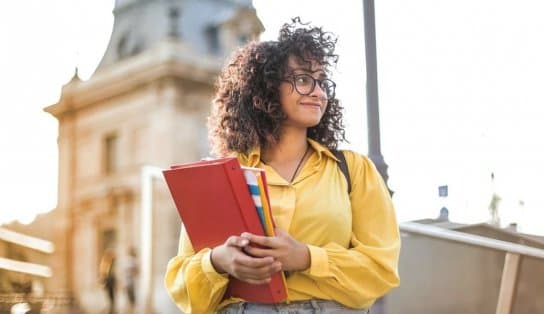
296	307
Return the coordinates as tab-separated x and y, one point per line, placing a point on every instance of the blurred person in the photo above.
131	271
107	276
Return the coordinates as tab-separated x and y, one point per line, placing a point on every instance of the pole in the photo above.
145	298
372	103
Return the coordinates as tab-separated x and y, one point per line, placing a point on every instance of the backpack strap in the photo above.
339	154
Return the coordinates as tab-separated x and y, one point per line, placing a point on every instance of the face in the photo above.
303	111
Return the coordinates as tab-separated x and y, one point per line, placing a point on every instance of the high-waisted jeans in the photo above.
297	307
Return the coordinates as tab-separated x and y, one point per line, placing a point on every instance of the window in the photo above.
109	239
173	16
212	35
122	46
111	154
242	39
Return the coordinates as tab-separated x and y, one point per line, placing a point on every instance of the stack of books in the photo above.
219	198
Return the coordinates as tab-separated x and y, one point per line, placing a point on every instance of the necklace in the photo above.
300	163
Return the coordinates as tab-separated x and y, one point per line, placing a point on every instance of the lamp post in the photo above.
372	104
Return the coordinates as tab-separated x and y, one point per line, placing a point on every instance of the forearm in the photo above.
354	277
193	284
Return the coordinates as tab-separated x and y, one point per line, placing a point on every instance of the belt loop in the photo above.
315	305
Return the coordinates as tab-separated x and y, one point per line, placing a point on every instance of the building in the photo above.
146	104
22	272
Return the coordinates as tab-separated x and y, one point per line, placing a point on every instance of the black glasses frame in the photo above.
329	89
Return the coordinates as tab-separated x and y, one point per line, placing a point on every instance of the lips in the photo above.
311	104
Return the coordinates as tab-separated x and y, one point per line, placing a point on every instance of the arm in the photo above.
192	274
368	269
197	282
357	275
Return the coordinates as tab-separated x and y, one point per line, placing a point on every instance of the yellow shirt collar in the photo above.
253	158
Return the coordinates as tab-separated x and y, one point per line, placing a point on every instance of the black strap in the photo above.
343	166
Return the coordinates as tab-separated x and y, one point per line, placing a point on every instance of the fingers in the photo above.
276	247
259	273
261	252
236	241
222	255
253	270
252	262
270	242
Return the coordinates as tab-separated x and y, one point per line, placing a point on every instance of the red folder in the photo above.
214	203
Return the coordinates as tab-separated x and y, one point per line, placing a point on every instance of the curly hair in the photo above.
246	110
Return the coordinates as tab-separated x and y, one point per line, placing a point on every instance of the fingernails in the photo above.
244	242
245	235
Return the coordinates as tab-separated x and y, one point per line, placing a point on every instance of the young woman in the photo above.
275	108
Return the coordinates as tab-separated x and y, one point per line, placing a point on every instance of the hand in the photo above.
292	254
230	258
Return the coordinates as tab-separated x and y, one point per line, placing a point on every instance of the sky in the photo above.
459	92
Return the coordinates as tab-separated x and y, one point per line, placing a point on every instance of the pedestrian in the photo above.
131	272
107	276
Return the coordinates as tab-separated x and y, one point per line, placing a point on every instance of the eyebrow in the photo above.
323	74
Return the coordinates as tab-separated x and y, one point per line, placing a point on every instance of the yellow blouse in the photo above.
353	240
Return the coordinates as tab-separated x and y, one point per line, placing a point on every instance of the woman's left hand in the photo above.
293	255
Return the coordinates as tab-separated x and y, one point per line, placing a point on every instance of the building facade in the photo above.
146	104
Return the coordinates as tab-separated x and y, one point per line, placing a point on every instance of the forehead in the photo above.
295	63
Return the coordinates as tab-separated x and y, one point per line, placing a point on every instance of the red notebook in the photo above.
214	203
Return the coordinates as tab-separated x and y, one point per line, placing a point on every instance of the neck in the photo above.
290	147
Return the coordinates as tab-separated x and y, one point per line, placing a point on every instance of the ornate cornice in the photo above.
169	59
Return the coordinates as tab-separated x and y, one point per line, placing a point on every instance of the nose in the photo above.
318	92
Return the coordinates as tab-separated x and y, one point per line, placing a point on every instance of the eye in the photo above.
303	80
326	84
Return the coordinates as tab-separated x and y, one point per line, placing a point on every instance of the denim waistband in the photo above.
300	307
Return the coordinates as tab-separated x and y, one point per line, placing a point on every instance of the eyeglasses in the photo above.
305	84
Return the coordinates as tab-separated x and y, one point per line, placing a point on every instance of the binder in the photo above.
214	203
253	184
267	209
256	180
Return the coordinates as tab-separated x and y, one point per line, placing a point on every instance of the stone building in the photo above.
146	104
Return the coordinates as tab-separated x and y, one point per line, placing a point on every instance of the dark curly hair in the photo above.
246	110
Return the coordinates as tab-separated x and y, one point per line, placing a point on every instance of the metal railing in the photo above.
513	252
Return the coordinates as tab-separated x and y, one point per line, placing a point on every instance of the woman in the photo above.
275	108
107	276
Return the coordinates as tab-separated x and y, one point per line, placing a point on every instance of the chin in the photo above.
305	122
312	124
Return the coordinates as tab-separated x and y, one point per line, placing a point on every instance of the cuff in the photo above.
319	262
208	268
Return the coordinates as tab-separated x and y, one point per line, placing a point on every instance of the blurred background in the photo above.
101	95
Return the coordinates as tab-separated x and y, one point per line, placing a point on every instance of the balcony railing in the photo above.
30	243
512	251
